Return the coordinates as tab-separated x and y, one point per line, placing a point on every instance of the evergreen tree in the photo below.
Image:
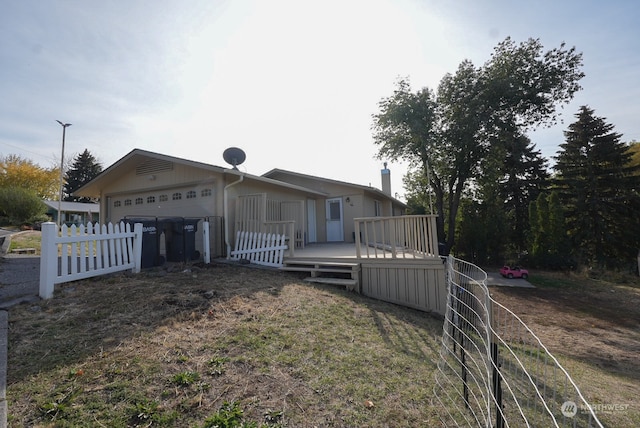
525	175
539	221
557	235
85	167
596	184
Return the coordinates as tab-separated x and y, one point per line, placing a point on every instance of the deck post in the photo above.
356	227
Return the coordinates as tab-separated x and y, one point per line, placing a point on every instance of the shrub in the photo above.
18	205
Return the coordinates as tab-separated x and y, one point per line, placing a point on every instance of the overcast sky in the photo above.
293	83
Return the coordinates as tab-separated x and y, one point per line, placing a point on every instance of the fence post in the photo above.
48	259
206	244
137	247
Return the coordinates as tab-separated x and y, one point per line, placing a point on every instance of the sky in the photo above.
293	83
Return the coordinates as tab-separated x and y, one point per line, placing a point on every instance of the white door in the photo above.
335	230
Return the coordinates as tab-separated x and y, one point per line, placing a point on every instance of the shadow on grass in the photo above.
95	315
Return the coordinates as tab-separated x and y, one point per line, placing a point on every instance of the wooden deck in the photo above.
321	251
416	282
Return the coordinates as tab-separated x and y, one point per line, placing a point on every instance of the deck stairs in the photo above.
335	272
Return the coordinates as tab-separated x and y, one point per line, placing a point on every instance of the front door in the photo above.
335	229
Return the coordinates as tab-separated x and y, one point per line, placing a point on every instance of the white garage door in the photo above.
179	202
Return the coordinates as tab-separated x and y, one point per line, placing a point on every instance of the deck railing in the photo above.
399	237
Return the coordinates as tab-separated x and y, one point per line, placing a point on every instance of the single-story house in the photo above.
145	184
73	212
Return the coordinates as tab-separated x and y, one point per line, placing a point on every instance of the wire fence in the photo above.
493	370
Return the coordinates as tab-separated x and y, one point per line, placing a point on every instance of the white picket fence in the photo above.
265	249
80	252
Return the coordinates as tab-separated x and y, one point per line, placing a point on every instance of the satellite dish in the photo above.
234	156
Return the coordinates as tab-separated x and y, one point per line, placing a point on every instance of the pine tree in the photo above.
85	167
524	175
596	182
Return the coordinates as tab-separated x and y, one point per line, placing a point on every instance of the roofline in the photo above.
329	180
202	165
147	153
274	182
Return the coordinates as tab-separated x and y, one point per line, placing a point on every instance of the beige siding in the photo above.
420	285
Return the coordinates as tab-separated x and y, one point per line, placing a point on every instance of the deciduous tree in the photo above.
17	172
449	134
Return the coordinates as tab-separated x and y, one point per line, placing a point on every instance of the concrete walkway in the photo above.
19	279
19	275
19	282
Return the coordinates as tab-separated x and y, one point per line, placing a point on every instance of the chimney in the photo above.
386	180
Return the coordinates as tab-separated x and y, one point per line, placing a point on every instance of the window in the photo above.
176	196
139	201
116	203
205	192
127	202
151	199
191	194
334	210
377	208
164	198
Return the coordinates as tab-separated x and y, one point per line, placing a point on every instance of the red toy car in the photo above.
514	272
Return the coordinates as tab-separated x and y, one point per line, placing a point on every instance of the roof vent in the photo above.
152	166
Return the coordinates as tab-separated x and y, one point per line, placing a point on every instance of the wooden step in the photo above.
327	272
319	263
350	284
316	269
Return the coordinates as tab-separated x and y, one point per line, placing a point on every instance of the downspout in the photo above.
226	213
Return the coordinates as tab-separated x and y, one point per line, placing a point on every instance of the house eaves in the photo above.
276	182
368	189
79	207
136	157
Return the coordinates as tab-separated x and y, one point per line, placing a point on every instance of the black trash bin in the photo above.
173	242
180	238
150	250
190	227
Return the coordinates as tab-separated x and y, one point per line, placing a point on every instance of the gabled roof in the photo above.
92	188
369	189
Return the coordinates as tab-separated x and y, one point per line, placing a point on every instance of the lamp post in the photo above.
64	128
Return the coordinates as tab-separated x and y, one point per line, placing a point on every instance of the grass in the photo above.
591	324
26	239
232	346
245	346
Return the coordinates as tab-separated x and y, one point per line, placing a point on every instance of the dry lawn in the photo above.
224	343
235	346
593	326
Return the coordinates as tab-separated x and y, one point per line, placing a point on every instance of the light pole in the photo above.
64	128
